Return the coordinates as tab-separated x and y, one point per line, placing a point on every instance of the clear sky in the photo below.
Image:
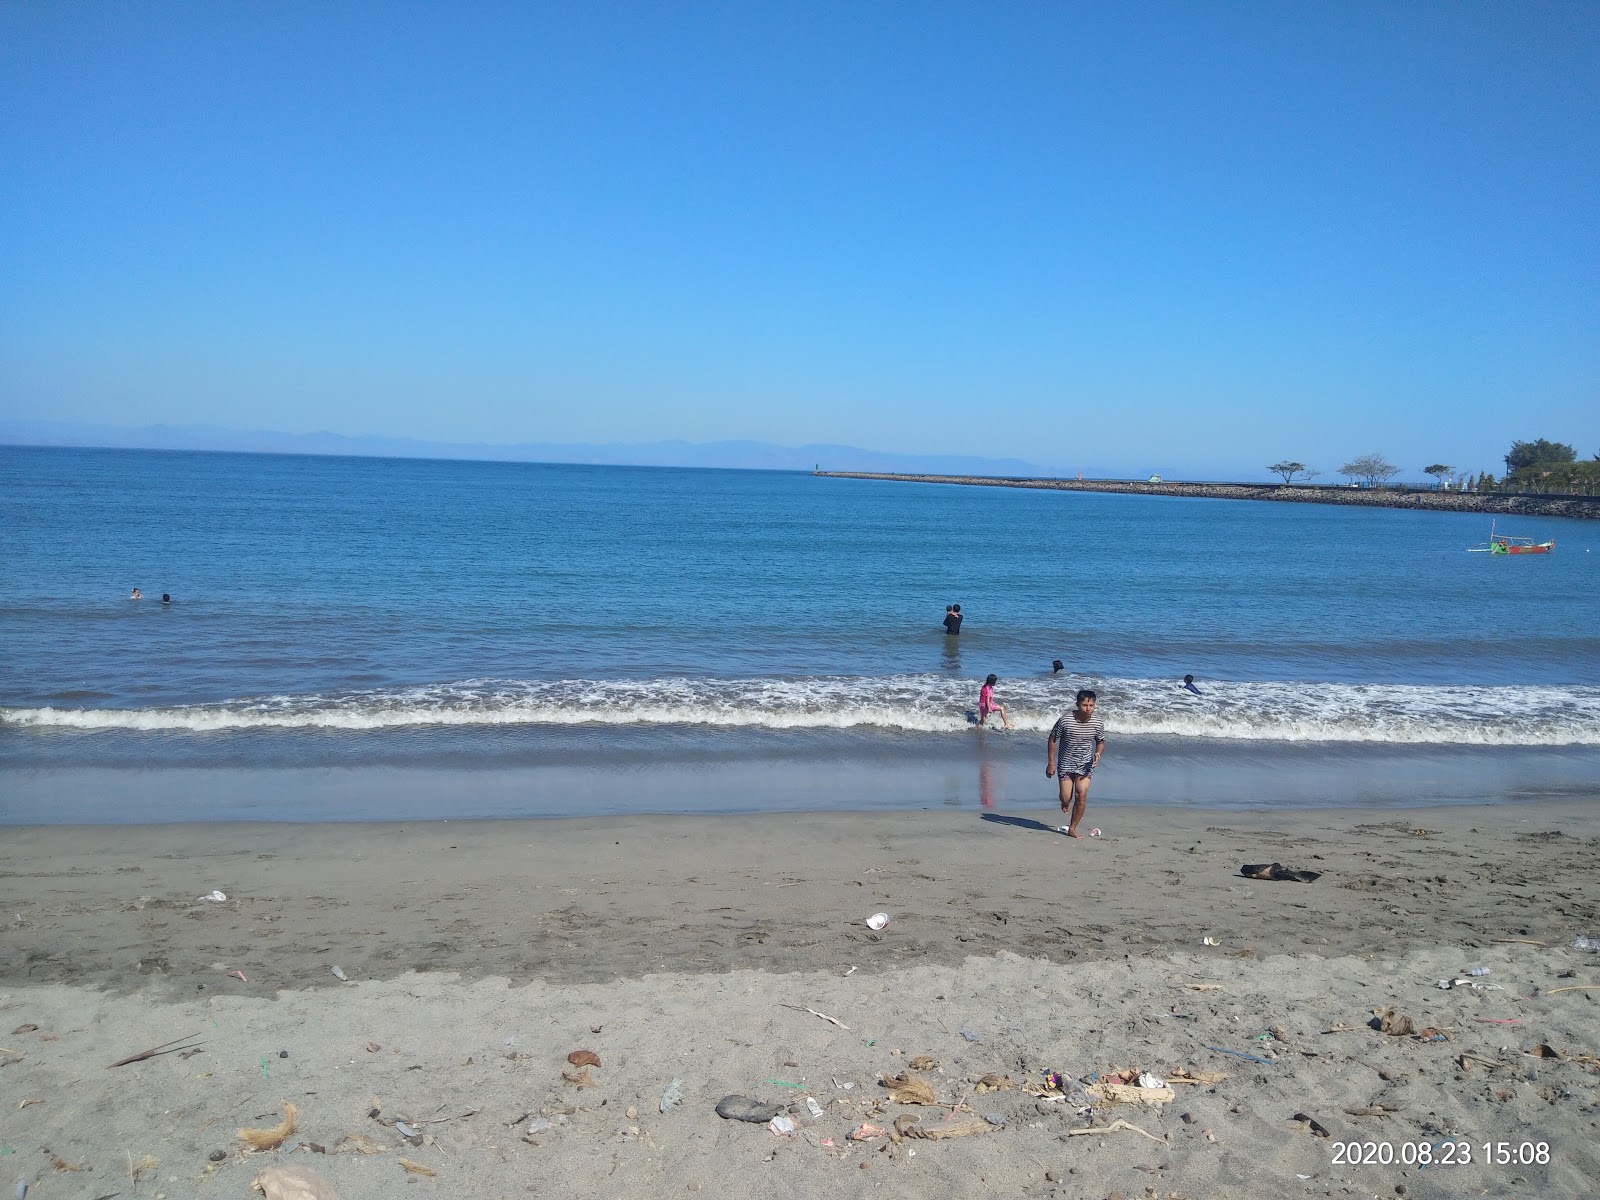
1188	237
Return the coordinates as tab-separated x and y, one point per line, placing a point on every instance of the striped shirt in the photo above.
1075	742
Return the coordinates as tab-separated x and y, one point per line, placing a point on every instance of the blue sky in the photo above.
1183	237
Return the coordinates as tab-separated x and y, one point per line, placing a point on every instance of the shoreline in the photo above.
659	884
731	955
989	772
1520	504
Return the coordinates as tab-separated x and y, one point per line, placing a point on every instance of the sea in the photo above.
380	639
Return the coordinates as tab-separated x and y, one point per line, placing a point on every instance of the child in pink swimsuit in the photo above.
987	705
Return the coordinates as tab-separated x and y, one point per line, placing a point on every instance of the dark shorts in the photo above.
1083	769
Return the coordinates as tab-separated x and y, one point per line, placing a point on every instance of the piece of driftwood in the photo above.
1113	1127
815	1013
1122	1093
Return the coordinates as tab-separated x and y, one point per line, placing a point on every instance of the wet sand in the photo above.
478	954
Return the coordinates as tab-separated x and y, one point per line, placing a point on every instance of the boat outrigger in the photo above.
1500	543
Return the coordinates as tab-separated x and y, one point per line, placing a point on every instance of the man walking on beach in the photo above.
1073	752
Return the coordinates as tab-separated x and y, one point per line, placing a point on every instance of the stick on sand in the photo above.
815	1013
1113	1127
164	1048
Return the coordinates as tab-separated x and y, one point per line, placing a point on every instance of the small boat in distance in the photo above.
1500	543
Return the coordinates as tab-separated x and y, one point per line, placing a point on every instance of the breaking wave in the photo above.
1269	711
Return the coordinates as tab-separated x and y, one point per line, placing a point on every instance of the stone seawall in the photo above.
1524	504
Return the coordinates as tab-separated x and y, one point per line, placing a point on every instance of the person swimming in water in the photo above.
136	594
1056	667
166	599
987	705
1188	685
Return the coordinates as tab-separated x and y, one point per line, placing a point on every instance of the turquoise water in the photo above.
356	611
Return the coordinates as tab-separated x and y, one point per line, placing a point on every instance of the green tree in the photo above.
1289	470
1371	469
1537	454
1438	471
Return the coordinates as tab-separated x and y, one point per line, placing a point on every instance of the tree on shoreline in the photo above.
1290	469
1538	454
1371	469
1438	471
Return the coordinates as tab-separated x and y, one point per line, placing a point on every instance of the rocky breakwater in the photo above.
1583	507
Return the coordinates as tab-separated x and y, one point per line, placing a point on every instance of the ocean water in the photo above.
352	613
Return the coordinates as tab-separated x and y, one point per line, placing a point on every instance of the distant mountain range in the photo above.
737	454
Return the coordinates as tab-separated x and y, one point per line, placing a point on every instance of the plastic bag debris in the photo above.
293	1183
541	1125
213	897
672	1095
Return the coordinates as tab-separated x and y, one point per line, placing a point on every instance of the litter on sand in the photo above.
1122	1093
213	897
815	1013
1392	1022
293	1183
1266	1062
1113	1127
742	1108
1278	871
165	1048
782	1125
671	1095
271	1139
338	973
1306	1123
906	1088
416	1168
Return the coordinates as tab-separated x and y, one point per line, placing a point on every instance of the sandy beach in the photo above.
478	955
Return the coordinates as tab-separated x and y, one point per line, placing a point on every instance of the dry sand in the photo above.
479	954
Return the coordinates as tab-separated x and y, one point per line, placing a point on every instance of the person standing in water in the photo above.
987	705
952	620
1188	685
1076	743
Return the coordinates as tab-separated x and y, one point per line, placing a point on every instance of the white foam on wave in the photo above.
1258	711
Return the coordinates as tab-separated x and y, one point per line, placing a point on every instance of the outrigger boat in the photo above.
1500	543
